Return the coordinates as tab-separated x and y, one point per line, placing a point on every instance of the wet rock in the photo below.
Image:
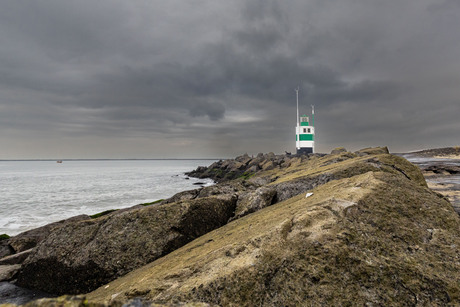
80	256
16	258
31	238
12	294
5	249
442	168
7	272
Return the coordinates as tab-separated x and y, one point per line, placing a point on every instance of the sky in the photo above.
216	79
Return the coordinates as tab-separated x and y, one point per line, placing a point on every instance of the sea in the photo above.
423	162
36	193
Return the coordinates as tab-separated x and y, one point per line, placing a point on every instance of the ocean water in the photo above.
35	193
427	161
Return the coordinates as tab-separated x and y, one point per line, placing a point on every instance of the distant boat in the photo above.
59	161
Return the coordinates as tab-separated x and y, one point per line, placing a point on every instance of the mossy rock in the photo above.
4	237
246	175
376	238
152	203
95	216
79	257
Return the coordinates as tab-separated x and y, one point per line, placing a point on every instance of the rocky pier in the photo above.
347	228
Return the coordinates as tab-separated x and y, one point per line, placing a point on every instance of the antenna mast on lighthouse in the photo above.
305	130
297	127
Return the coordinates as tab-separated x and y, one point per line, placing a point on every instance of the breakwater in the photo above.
346	228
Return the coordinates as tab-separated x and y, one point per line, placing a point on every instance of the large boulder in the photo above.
79	257
29	239
253	201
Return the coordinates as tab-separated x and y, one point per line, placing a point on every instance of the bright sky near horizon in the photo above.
206	78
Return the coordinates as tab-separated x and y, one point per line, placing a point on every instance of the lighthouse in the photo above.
304	131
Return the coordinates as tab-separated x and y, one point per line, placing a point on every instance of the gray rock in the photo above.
338	150
253	201
288	189
243	159
226	190
7	272
31	238
181	196
270	156
12	294
442	168
81	256
253	169
5	249
372	151
268	165
16	258
255	161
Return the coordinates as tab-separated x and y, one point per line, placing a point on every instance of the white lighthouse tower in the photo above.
305	131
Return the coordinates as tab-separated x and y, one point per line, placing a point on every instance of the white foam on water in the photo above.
35	193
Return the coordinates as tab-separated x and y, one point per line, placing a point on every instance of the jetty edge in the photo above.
369	232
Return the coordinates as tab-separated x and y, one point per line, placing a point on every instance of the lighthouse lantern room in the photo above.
305	131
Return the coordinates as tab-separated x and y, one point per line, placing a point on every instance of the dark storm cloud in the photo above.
218	78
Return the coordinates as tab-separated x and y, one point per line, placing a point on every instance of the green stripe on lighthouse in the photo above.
306	137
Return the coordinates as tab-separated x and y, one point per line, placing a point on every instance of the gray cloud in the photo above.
214	111
212	78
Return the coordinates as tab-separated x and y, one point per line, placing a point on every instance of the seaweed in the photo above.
95	216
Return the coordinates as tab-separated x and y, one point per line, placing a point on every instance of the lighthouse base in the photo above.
304	150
